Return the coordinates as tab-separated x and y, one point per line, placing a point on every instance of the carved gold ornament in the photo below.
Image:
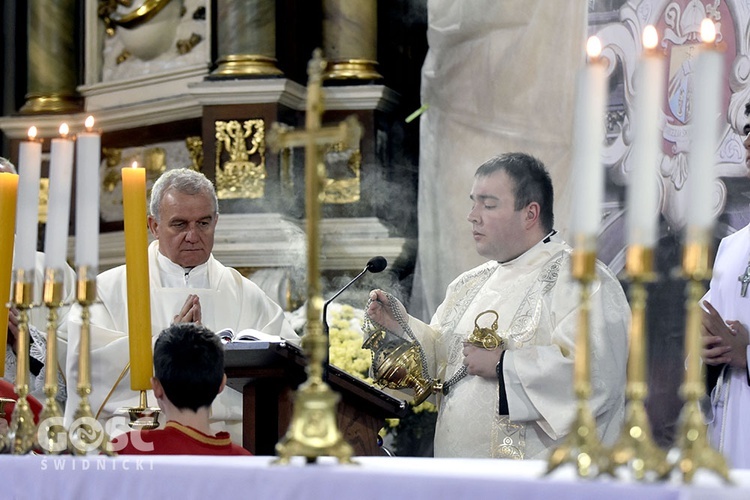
346	165
239	176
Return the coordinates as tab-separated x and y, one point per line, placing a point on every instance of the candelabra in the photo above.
51	433
635	448
694	451
88	435
582	446
22	429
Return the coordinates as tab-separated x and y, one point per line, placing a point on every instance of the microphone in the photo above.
374	265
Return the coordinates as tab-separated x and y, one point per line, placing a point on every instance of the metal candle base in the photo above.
142	417
635	449
22	430
582	446
693	449
50	419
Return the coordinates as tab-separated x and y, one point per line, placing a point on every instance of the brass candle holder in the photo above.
694	451
313	431
51	433
142	417
22	430
582	446
635	448
87	435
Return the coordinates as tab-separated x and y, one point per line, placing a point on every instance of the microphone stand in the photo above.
374	265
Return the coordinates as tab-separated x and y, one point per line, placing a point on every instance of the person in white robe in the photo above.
187	284
517	401
726	316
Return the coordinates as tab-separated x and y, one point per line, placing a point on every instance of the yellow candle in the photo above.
136	262
8	195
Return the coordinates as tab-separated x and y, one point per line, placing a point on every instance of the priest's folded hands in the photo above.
190	312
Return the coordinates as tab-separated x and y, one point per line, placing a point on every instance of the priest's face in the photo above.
497	228
185	228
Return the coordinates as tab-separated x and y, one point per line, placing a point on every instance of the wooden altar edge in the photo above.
267	373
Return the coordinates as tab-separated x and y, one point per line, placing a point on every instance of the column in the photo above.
53	61
350	29
246	38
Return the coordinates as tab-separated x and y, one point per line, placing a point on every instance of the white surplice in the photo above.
729	430
228	300
537	302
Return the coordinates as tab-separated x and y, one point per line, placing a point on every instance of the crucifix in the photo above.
313	431
745	280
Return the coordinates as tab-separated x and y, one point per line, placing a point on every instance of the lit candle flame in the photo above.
593	47
32	133
708	31
135	164
89	123
650	37
64	129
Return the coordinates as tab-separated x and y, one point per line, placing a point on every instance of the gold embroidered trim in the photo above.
199	436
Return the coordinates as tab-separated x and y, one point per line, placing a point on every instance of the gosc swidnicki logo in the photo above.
84	435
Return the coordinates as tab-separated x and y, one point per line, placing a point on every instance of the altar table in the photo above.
372	478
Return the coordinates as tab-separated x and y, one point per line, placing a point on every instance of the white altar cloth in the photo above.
195	477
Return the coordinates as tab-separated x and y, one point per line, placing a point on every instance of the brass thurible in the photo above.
693	449
22	430
87	435
313	431
51	434
582	446
635	448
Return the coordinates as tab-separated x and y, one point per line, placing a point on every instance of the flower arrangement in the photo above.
411	435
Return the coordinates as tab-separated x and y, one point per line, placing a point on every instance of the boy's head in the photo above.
189	365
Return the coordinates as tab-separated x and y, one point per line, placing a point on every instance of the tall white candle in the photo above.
27	211
88	157
643	194
704	133
58	207
588	182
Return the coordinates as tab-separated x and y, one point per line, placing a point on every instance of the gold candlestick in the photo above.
635	448
22	430
87	434
313	431
582	446
694	451
51	432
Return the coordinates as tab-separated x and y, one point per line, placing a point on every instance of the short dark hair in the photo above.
189	364
531	181
746	128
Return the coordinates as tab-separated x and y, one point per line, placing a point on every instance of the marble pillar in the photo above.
350	29
246	38
52	58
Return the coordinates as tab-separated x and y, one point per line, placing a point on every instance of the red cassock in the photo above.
7	390
176	439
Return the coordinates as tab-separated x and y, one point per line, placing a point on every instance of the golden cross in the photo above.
313	430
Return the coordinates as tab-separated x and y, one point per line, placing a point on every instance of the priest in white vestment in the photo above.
725	323
187	285
517	401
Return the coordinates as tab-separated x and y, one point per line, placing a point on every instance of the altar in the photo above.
190	477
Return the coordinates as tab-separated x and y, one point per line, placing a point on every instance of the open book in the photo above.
227	335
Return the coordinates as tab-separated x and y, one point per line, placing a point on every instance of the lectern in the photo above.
267	373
